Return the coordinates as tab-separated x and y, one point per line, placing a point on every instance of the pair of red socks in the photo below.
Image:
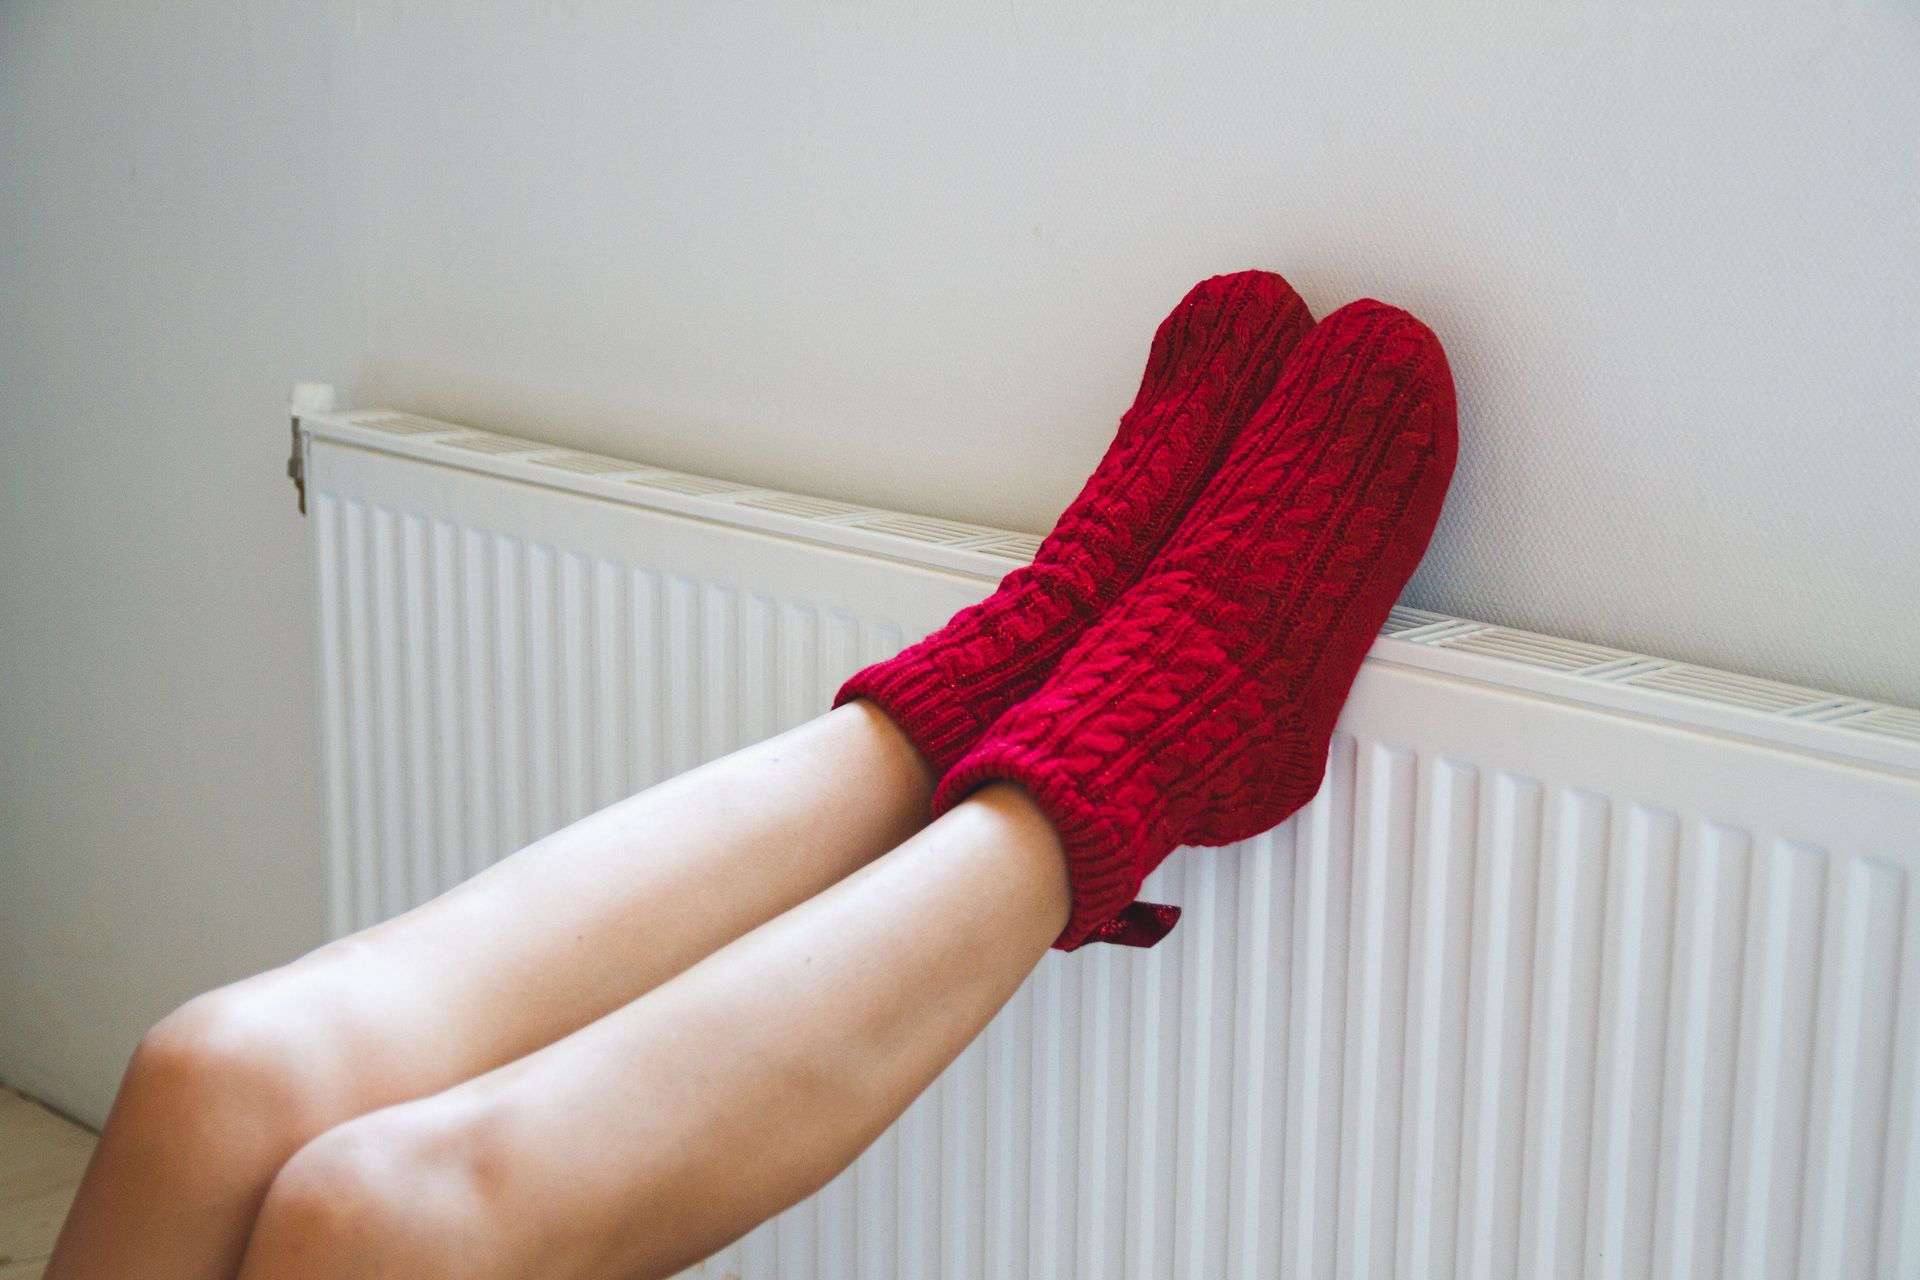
1169	668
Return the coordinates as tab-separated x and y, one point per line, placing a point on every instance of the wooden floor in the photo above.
41	1156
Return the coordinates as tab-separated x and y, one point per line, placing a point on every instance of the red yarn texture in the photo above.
1199	708
1211	362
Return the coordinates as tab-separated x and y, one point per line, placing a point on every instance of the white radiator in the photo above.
1582	963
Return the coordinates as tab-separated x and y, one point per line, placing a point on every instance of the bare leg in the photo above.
653	1136
225	1089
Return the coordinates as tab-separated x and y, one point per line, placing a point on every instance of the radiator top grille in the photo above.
1560	666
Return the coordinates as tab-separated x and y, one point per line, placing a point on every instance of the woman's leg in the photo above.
653	1136
223	1090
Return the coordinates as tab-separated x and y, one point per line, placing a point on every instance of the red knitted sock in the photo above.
1212	360
1198	709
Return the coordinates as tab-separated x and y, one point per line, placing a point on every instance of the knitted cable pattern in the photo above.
1212	360
1199	708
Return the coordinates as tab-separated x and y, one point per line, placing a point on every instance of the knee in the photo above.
234	1068
402	1192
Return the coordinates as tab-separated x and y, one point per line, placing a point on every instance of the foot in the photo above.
1198	709
1212	361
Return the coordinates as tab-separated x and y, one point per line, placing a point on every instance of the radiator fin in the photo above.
1455	1091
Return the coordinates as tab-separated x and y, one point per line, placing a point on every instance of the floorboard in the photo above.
41	1157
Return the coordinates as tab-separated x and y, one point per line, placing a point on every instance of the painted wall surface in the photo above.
909	257
162	276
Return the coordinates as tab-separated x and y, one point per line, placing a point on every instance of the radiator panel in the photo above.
498	661
1535	986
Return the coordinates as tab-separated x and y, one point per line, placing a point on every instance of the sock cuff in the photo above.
918	699
1107	851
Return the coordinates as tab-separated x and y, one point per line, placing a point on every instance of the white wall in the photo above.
911	258
162	276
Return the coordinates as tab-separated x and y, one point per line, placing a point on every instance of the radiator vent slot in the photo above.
1405	618
1404	623
799	504
1894	722
1828	710
488	442
922	528
1724	687
1014	546
586	464
692	486
1534	650
404	424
